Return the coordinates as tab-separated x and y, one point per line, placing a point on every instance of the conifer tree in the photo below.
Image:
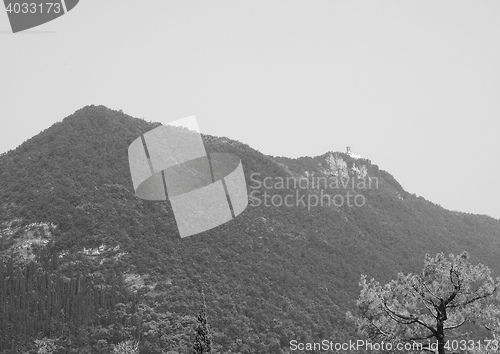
443	302
203	338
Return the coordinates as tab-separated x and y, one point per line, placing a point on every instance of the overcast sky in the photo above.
412	85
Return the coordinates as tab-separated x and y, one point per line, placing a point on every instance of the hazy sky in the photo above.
412	85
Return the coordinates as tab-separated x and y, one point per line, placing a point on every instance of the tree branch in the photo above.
408	319
471	300
428	290
456	326
421	295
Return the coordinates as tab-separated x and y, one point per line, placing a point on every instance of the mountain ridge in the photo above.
271	275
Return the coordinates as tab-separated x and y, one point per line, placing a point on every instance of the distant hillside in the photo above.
89	264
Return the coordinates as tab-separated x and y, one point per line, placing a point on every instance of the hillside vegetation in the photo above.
89	264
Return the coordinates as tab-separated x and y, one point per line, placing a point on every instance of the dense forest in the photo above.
87	265
36	299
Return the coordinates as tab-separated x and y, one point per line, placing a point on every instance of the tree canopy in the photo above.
445	301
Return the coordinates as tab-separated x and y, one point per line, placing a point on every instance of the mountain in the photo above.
86	264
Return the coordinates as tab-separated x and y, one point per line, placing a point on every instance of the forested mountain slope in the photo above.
89	264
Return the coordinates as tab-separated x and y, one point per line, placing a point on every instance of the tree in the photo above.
45	346
436	305
127	347
203	338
